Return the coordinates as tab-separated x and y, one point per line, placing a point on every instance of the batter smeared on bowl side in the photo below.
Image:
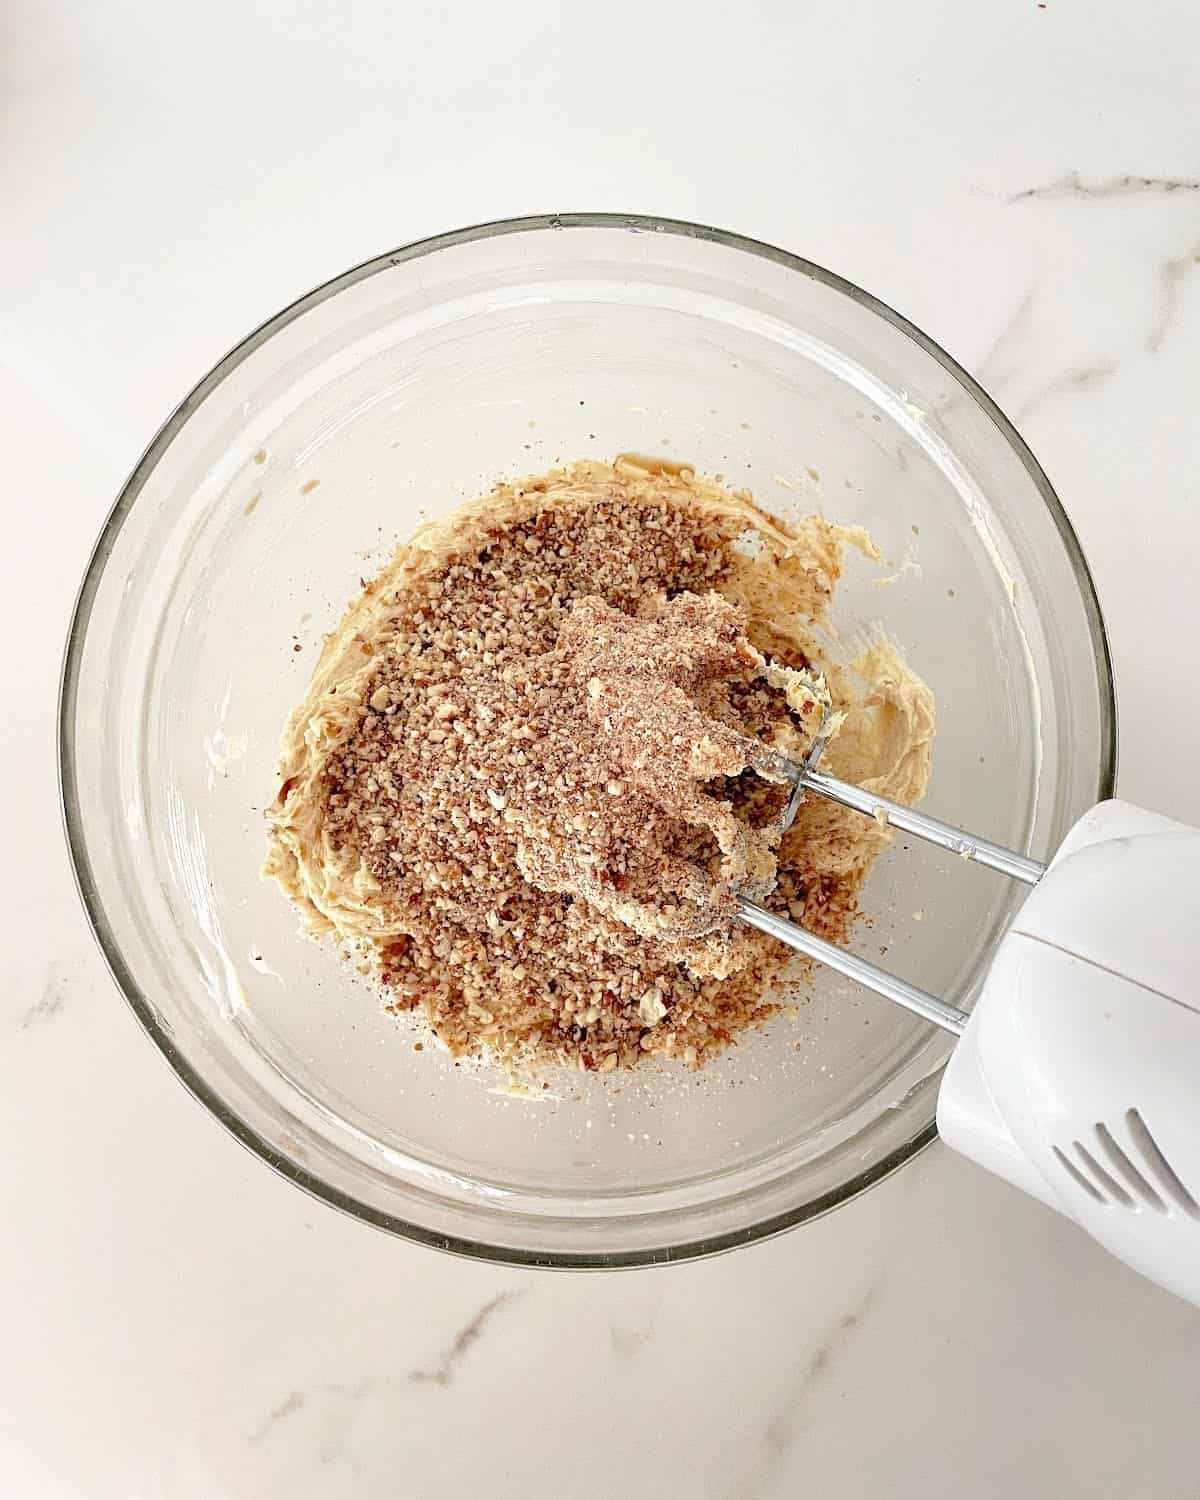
537	765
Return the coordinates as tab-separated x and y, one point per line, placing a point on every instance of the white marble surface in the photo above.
1022	181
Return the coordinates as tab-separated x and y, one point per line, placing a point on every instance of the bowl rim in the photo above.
82	864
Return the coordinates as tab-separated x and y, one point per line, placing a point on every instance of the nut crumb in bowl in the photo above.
537	764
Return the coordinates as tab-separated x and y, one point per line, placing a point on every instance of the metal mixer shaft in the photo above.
806	778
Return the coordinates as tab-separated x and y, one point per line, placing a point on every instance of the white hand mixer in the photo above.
1077	1075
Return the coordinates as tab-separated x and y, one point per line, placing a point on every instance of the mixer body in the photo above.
1078	1077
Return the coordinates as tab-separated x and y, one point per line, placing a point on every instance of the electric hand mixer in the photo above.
1077	1075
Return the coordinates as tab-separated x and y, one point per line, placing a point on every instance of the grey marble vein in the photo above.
1072	185
291	1403
336	1403
344	1399
443	1372
1077	378
1003	359
789	1416
1171	274
50	1002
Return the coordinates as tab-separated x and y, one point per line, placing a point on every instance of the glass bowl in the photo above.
405	387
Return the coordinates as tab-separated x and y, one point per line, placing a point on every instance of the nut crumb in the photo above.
534	770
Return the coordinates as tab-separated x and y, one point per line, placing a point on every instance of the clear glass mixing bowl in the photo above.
397	391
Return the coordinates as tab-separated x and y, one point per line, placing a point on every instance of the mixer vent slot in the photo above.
1124	1169
1156	1166
1132	1175
1080	1180
1107	1187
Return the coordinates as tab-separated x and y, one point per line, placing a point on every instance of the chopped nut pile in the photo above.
540	761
